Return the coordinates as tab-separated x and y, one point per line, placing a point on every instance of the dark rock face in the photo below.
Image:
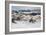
35	14
18	18
31	20
13	20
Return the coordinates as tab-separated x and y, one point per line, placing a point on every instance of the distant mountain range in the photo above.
27	12
35	10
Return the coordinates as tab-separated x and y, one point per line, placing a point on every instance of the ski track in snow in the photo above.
26	24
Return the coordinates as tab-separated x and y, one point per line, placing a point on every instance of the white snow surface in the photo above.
26	24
